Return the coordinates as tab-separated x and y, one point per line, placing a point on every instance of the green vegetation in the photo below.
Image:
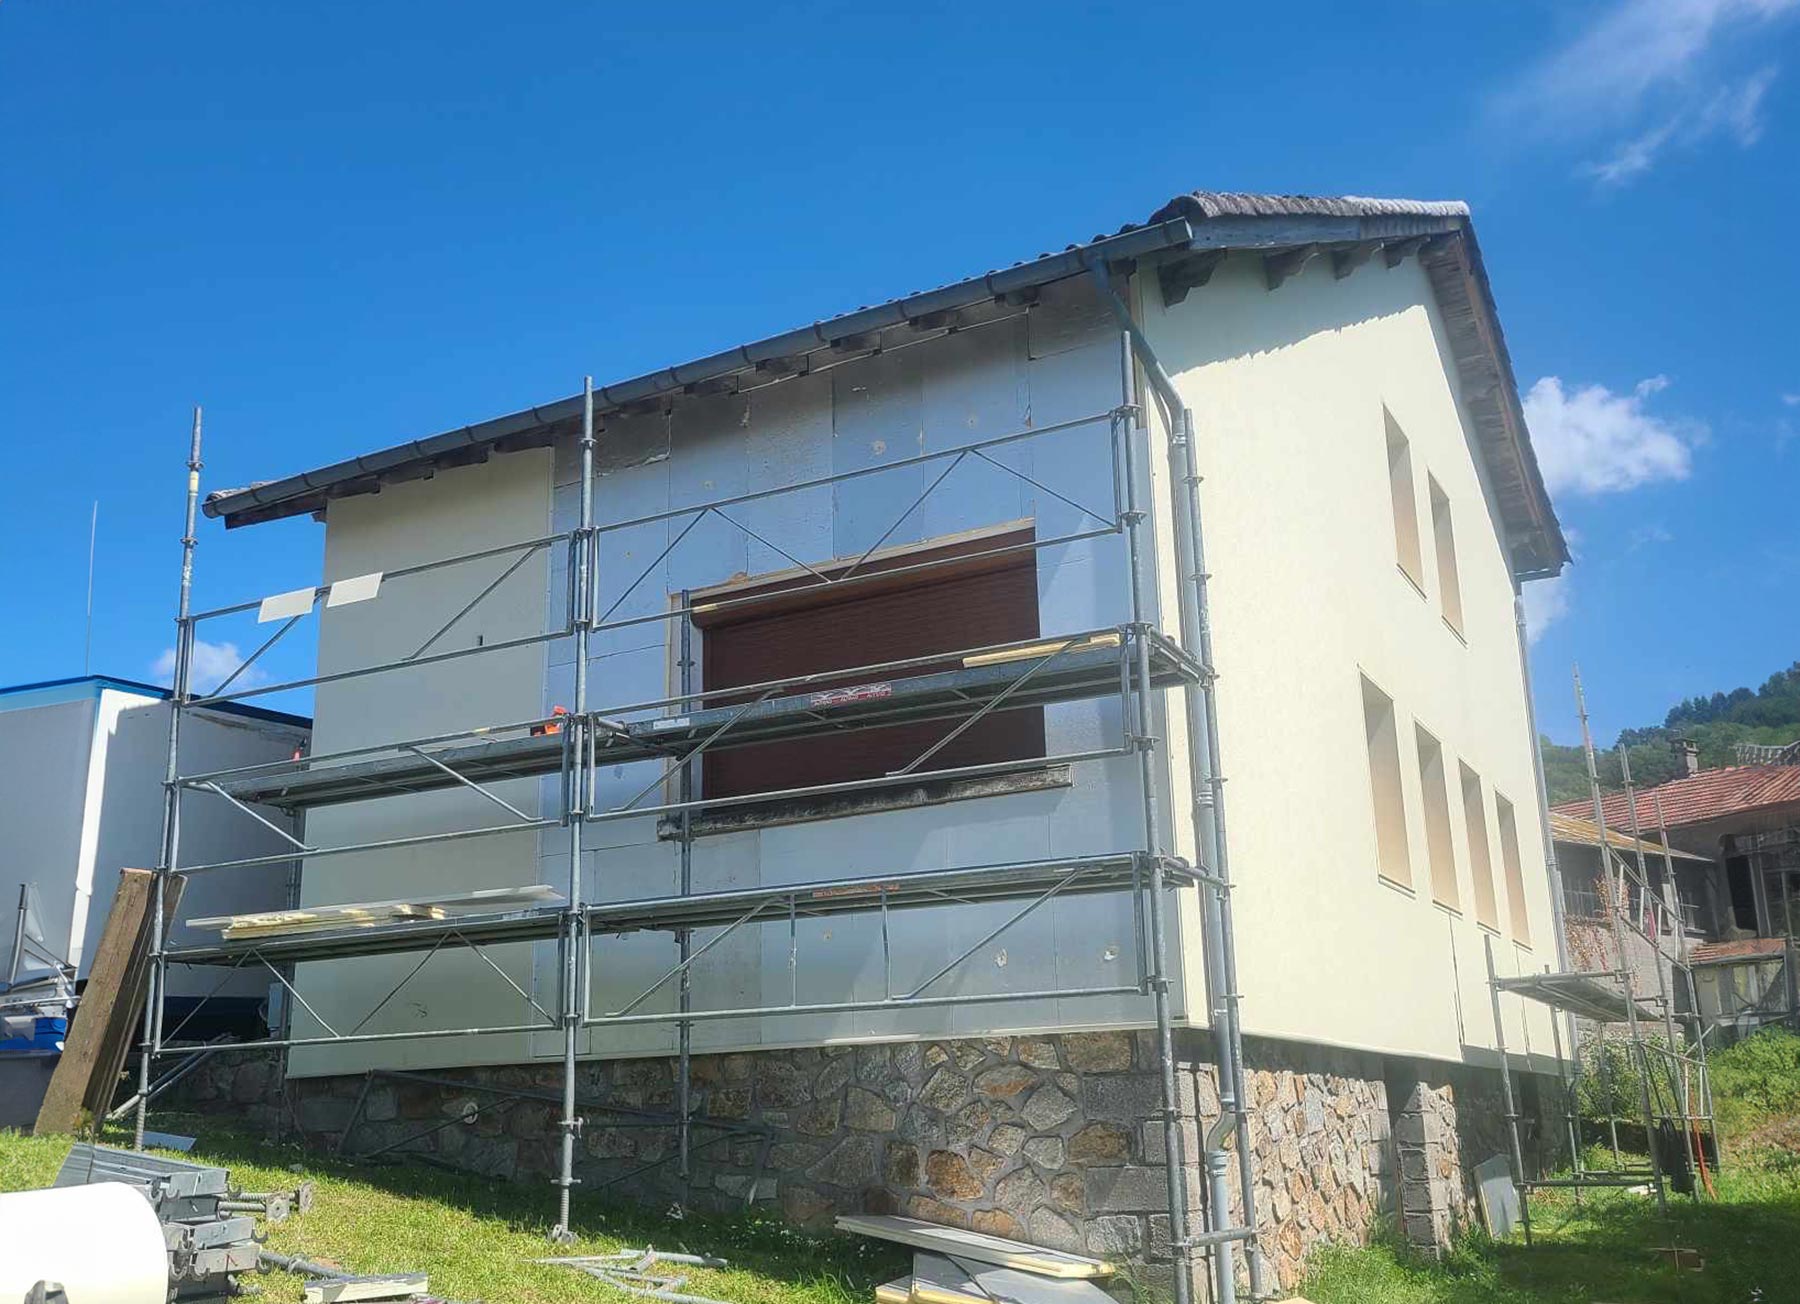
1602	1249
476	1237
1770	714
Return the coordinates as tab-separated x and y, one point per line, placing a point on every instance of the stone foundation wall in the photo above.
1052	1139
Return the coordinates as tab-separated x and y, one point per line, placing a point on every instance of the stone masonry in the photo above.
1053	1139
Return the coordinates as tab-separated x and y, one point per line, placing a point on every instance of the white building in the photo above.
82	798
1371	505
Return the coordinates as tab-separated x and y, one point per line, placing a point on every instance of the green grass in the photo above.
475	1238
1599	1251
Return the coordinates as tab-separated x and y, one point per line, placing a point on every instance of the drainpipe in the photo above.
1208	807
1551	867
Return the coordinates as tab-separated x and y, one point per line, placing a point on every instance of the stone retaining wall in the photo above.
1053	1139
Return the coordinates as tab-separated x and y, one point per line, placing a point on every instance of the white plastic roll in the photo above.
101	1243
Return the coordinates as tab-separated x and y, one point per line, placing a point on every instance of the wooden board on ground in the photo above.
898	1291
345	1290
107	1019
962	1244
940	1279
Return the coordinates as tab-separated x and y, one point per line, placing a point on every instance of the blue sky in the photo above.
342	225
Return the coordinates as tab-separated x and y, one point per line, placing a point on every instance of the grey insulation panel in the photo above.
943	695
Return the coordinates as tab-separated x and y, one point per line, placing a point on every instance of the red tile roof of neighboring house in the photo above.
1708	795
1749	948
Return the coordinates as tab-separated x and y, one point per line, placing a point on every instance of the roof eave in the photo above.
309	491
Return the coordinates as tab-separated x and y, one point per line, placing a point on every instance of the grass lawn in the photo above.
476	1238
1599	1252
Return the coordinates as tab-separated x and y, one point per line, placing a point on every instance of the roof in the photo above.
1699	798
1197	225
1745	950
1576	831
78	688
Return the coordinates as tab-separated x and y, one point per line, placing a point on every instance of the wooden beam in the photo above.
1177	278
866	342
791	365
1279	267
1395	252
1348	259
111	1002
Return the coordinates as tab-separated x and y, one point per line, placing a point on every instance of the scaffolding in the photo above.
1673	1086
1131	663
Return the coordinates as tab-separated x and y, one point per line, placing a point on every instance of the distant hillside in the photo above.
1770	714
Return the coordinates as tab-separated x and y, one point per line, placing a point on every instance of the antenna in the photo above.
87	649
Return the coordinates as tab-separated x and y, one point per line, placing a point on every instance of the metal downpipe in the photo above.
1174	1160
1207	782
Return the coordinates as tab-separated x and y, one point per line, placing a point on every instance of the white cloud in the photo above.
1594	441
1735	111
212	665
1791	400
1653	75
1546	602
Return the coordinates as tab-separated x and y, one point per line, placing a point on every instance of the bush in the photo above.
1760	1075
1610	1076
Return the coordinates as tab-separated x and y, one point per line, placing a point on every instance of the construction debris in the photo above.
330	1284
956	1243
630	1271
954	1266
208	1231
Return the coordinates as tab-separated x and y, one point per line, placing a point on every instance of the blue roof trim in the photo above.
79	688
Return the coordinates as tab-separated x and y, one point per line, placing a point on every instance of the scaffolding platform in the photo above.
1039	674
809	900
1581	994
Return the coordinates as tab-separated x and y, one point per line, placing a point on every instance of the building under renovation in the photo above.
1046	755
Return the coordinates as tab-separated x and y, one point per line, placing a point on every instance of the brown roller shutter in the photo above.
797	629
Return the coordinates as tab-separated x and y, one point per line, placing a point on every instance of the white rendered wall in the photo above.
1288	389
82	799
132	744
43	803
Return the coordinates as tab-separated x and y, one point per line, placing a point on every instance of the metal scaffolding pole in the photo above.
171	815
573	936
1684	963
1207	784
1552	866
1515	1153
1615	909
1570	1102
684	940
